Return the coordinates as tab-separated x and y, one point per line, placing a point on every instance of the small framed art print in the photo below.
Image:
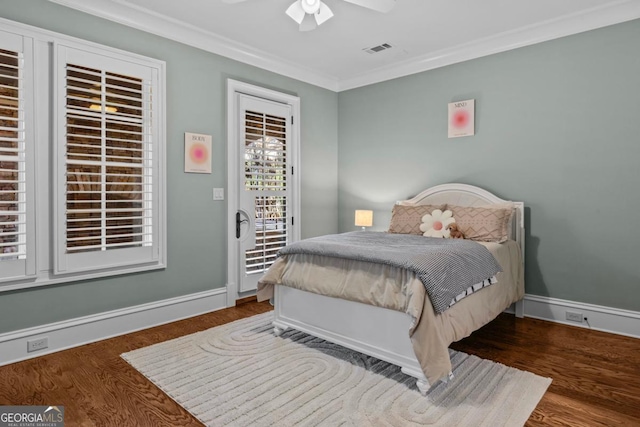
197	153
461	118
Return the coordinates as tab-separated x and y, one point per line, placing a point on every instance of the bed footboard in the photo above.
374	331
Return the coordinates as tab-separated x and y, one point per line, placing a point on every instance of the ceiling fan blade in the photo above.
308	23
324	13
295	12
383	6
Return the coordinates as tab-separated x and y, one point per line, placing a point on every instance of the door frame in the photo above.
235	87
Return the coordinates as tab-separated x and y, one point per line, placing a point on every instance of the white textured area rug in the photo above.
240	374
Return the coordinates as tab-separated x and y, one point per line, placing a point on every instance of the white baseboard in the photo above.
88	329
599	318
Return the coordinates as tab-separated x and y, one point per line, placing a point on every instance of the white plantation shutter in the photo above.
12	158
265	176
265	152
16	159
108	169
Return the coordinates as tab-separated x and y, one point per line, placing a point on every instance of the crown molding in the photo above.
598	17
160	25
151	22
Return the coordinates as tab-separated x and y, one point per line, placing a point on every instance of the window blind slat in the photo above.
111	164
112	236
114	227
75	249
110	175
71	211
118	218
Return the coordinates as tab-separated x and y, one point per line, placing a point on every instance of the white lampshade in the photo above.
364	218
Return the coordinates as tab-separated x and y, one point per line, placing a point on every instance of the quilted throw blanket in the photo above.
446	267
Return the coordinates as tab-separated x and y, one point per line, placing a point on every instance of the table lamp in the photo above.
364	219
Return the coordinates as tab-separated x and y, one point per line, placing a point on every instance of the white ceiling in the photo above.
425	34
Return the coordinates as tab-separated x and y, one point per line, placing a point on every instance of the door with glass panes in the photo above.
263	219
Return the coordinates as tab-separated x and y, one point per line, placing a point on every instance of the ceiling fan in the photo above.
311	13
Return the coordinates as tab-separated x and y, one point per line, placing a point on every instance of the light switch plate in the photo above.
218	194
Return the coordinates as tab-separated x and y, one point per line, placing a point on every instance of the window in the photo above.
107	162
16	171
12	155
265	164
100	144
108	172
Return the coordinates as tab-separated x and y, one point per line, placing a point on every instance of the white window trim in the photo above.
44	130
235	87
64	262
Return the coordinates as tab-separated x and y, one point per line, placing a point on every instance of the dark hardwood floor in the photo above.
596	376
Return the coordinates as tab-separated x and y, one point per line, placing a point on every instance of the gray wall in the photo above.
196	102
557	126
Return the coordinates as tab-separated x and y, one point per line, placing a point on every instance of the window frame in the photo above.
65	262
235	89
42	133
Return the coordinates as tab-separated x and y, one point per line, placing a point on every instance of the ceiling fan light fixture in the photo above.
311	13
310	6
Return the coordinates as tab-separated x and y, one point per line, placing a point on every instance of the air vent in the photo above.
377	49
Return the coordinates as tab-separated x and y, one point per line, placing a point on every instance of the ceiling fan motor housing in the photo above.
310	6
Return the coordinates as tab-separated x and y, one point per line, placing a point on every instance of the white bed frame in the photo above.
376	331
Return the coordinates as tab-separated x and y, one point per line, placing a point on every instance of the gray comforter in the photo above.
446	267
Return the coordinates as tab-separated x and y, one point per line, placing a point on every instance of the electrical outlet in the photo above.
37	344
574	317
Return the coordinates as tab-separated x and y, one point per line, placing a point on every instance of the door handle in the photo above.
239	222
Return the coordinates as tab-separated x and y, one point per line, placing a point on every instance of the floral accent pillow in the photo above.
436	224
407	219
